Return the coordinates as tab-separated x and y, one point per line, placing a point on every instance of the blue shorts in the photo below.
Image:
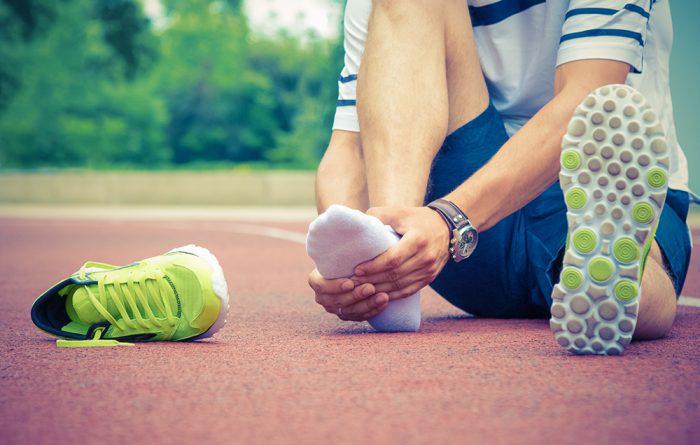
517	262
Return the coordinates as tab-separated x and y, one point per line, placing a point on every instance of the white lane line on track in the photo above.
689	301
300	238
158	213
244	229
271	232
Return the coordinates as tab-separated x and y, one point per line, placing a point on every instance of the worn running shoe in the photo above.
614	169
181	295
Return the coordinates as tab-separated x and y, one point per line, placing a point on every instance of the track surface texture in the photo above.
283	371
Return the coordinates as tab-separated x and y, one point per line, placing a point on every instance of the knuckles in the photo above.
357	295
393	276
427	261
421	242
393	262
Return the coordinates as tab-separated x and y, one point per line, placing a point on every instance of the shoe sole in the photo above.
218	284
614	175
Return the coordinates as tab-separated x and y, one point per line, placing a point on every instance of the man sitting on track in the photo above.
477	111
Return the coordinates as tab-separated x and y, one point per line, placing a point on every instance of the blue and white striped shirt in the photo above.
521	42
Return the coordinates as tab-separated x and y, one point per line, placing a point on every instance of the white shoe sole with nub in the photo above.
614	175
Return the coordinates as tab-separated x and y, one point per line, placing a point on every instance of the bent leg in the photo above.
620	214
409	96
420	78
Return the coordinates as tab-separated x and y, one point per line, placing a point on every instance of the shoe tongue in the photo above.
81	309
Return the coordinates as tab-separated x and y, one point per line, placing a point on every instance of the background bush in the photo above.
92	83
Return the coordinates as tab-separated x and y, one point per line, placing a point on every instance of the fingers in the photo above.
331	302
343	298
399	292
419	272
408	290
322	286
408	279
393	258
365	309
399	277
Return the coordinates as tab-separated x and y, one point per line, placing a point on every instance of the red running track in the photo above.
283	371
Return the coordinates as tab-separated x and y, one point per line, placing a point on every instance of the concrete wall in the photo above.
226	188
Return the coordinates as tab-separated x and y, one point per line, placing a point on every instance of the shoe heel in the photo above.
218	284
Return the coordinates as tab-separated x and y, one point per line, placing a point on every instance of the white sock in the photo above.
340	239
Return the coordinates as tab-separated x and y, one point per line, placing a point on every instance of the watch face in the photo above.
467	242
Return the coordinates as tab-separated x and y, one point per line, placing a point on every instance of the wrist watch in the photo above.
463	235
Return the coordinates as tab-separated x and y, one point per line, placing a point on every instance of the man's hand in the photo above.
346	300
418	257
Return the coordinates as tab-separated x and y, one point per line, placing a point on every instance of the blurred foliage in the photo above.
92	83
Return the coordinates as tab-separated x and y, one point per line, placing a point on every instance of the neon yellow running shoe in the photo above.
181	295
614	175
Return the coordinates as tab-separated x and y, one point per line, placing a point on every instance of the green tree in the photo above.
125	30
92	83
303	75
220	108
73	105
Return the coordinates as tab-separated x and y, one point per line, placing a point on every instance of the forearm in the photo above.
340	178
529	162
522	169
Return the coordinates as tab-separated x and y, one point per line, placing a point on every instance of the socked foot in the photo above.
340	239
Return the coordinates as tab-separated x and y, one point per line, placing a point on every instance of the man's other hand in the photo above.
415	260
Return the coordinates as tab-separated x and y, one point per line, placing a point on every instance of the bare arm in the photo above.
341	174
529	162
522	169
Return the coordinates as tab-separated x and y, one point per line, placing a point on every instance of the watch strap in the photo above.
443	215
453	216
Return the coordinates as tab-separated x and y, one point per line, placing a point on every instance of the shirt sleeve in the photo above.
605	29
355	25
